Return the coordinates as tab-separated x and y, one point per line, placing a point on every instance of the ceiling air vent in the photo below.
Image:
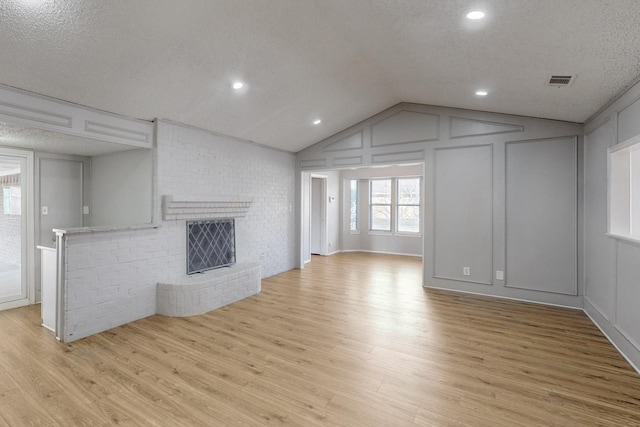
561	81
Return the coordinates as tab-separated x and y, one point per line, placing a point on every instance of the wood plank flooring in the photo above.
353	339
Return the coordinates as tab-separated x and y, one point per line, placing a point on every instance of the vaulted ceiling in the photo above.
340	61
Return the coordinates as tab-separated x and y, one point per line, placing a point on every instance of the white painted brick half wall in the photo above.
112	277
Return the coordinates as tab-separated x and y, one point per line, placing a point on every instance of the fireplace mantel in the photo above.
203	209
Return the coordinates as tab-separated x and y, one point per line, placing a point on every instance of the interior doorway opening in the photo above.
318	223
337	205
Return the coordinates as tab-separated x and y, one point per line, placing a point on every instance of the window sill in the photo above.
392	234
379	233
354	231
400	234
629	239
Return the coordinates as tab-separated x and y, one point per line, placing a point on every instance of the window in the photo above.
408	205
12	200
624	189
380	205
394	205
353	213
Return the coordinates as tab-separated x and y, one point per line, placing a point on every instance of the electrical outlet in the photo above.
262	255
466	271
499	275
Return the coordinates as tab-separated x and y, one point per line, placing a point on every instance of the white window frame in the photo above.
390	204
394	208
623	190
398	205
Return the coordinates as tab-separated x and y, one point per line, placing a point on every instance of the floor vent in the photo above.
561	81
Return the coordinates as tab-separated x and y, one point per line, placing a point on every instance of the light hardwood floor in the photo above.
353	339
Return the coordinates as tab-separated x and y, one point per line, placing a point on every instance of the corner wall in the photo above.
611	266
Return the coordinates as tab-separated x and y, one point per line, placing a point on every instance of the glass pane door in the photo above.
12	225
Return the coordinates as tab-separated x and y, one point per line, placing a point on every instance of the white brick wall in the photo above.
199	294
112	277
197	164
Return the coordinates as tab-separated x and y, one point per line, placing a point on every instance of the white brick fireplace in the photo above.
115	275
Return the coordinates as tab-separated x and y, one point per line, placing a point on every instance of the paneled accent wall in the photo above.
611	266
463	231
542	213
405	127
481	210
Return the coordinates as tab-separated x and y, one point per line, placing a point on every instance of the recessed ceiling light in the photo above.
237	85
476	14
317	122
482	93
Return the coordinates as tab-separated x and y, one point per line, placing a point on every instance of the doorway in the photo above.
15	289
318	216
314	224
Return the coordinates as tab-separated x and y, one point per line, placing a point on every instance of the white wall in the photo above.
305	228
334	209
611	267
121	188
111	277
465	156
57	186
63	183
363	240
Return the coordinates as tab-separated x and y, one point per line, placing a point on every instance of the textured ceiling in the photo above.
53	142
338	60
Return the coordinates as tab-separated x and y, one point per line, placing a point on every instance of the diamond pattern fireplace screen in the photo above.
210	244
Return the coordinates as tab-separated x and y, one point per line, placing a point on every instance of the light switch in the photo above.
85	210
499	275
45	210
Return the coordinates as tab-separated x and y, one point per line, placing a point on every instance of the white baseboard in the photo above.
381	252
626	348
504	297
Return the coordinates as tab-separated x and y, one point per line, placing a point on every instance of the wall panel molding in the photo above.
313	163
407	156
12	111
347	161
350	142
405	127
463	213
462	128
119	132
18	107
541	215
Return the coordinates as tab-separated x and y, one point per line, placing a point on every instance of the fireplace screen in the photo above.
210	244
